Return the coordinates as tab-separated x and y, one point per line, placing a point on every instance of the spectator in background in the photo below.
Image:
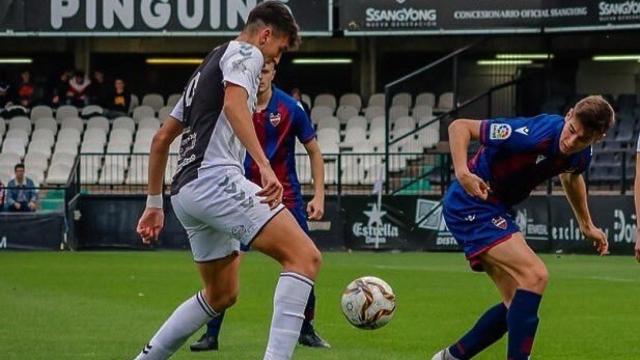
99	90
21	192
297	94
60	89
25	90
78	91
119	101
5	99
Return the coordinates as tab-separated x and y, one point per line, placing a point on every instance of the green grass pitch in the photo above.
106	305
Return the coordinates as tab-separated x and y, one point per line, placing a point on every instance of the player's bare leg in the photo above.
284	240
220	290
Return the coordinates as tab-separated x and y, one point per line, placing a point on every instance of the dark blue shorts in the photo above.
301	216
476	225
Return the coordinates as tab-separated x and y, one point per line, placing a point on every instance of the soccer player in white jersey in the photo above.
217	206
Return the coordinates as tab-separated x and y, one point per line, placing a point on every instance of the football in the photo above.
368	303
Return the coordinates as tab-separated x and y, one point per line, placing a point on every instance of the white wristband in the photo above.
154	201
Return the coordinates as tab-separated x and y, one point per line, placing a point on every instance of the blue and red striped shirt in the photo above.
277	127
518	154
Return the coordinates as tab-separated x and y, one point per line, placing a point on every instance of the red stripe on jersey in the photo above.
281	156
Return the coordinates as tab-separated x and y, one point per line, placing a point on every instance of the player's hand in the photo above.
598	238
315	208
150	224
637	249
271	188
474	185
17	205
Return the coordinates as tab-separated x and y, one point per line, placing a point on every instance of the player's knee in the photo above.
221	301
537	278
308	262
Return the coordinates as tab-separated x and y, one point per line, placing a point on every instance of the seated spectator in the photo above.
297	94
25	90
99	90
21	192
77	94
119	101
4	94
60	89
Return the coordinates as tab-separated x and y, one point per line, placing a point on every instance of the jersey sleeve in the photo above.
515	134
638	145
303	125
241	65
178	110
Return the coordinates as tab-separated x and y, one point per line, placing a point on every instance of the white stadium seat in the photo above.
41	111
91	110
48	123
403	99
327	100
58	173
66	111
376	100
99	122
73	123
155	101
351	99
124	122
329	122
148	123
20	123
426	98
143	111
346	112
164	113
14	146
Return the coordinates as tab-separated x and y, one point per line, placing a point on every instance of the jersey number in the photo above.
191	89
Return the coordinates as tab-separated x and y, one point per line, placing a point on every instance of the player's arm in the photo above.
461	132
152	219
576	192
315	208
236	111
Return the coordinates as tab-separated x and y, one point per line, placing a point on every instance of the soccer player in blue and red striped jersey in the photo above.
516	155
279	120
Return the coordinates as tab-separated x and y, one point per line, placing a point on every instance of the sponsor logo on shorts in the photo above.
470	217
499	222
238	231
499	131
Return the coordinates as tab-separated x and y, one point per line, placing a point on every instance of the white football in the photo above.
368	303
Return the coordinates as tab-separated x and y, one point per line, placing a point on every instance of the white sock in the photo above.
185	320
289	301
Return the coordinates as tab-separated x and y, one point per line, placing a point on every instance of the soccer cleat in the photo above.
312	339
205	343
443	355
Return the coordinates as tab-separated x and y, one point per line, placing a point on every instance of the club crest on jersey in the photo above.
499	131
499	222
275	118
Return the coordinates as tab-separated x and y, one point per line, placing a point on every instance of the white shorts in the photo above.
220	210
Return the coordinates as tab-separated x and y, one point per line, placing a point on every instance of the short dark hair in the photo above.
595	114
277	15
18	166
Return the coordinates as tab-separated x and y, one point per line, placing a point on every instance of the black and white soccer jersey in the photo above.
208	140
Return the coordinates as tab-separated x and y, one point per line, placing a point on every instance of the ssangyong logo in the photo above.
401	15
375	231
624	8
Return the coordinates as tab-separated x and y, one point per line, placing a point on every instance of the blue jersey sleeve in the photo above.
514	134
303	126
